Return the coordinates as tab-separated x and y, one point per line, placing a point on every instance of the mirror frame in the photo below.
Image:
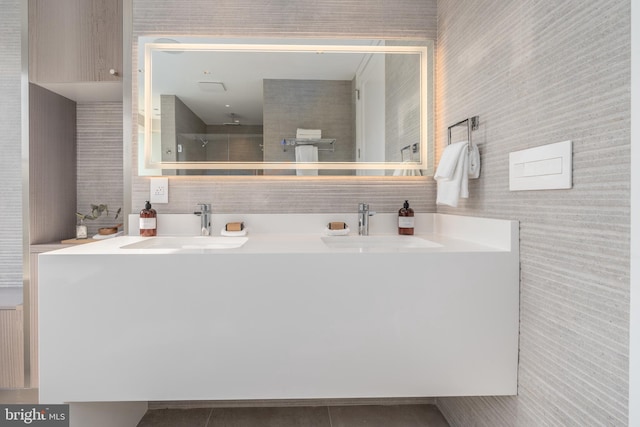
148	167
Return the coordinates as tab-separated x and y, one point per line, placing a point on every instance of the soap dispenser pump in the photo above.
405	219
148	221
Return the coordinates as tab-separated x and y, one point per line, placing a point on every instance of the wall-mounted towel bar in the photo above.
414	148
472	124
407	152
324	144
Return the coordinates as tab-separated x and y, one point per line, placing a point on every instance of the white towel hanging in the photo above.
306	154
457	165
449	160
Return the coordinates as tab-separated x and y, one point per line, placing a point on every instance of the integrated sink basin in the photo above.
370	242
189	242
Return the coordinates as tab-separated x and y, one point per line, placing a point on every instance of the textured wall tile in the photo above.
402	115
11	145
537	73
99	148
308	104
288	195
283	18
353	18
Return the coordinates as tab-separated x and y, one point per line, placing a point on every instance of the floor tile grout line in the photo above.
329	413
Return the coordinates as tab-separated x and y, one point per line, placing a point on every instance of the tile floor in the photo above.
319	416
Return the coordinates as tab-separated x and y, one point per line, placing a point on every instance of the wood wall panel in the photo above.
75	40
11	349
52	166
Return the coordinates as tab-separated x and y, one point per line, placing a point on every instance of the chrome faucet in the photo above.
205	218
363	219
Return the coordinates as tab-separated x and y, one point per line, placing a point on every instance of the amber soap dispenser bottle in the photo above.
148	221
405	219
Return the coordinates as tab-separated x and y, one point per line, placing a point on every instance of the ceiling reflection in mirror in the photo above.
285	107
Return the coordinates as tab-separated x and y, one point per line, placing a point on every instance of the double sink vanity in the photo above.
283	313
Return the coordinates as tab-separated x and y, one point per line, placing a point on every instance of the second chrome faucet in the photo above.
205	218
363	218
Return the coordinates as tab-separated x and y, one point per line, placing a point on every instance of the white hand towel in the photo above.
308	133
449	160
407	172
451	189
306	153
474	162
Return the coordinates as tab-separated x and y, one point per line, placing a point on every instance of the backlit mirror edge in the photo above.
427	134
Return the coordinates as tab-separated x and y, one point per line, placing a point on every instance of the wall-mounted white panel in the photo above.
547	167
159	190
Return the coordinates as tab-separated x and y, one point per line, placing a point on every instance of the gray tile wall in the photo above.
284	18
168	128
536	73
309	104
11	146
185	122
99	164
235	143
402	117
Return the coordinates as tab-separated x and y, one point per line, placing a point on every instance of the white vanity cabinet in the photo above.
282	317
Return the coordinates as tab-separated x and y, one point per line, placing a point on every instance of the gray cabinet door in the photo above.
75	40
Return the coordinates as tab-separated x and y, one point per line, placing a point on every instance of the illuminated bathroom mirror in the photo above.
285	107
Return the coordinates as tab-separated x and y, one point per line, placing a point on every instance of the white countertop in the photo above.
299	239
270	244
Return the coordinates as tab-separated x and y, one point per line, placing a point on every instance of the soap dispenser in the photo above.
148	221
405	219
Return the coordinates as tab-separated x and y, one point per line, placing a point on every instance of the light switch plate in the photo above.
548	167
159	190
